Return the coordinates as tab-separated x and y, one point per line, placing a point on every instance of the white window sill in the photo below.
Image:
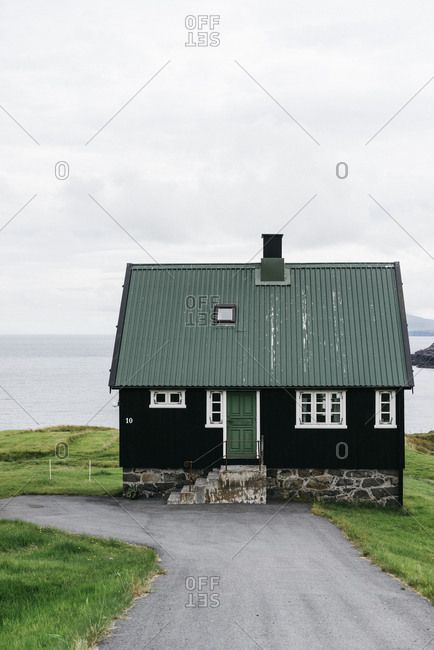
167	406
215	425
312	425
385	426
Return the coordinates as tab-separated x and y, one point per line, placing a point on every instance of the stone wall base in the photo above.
151	482
380	486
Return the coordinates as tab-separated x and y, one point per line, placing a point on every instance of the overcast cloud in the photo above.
202	160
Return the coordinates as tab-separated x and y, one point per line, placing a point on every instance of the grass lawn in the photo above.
400	542
24	456
62	591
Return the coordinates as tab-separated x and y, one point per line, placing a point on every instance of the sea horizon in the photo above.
60	379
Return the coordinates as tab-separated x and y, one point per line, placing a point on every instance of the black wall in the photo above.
166	438
368	448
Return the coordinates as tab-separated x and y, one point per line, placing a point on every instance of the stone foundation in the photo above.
379	486
154	482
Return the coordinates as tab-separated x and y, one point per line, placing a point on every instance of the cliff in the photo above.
424	358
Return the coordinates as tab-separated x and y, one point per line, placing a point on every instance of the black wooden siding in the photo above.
166	438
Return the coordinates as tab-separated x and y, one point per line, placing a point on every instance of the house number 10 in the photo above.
129	420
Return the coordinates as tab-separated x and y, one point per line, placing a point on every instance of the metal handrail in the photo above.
207	452
260	449
188	464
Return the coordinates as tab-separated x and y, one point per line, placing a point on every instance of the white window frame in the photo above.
209	424
321	425
153	404
385	425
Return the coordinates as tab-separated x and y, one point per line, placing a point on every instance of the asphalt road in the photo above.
244	577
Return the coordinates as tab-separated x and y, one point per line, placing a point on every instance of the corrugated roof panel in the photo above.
333	325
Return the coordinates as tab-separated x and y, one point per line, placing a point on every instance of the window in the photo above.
167	399
215	408
316	409
224	314
385	409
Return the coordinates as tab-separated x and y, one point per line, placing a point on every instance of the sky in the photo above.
182	153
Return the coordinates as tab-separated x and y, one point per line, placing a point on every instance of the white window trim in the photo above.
320	425
382	425
167	405
215	425
258	424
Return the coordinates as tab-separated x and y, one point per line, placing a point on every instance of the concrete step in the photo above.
200	482
174	498
187	494
243	471
240	484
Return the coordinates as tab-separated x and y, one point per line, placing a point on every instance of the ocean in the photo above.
47	380
419	404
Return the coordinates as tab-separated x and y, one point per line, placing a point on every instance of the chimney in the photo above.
272	245
272	262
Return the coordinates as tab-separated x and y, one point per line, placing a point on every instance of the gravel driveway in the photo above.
245	577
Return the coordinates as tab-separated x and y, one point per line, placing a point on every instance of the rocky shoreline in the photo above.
424	358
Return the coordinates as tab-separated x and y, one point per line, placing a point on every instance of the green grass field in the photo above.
62	591
25	455
399	541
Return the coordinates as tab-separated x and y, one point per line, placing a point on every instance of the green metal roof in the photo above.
334	325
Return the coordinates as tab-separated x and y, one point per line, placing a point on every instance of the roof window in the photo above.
225	314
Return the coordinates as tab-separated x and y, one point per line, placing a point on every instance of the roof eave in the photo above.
120	327
404	326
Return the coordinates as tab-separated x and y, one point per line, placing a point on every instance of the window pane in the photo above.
320	403
160	398
385	397
336	417
216	397
306	417
175	398
216	417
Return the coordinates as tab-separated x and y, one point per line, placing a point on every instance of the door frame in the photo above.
258	418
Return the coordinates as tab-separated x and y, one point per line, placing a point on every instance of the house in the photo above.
259	380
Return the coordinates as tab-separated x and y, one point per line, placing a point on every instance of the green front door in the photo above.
241	424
